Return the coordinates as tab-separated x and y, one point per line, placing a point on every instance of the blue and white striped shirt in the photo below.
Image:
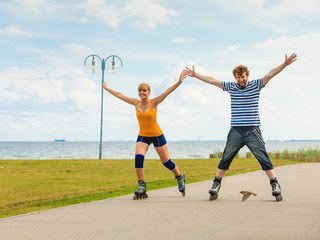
244	102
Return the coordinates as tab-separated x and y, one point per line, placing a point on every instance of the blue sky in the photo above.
47	93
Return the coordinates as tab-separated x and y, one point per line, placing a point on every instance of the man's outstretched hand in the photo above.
290	59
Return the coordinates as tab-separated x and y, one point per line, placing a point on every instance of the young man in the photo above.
245	121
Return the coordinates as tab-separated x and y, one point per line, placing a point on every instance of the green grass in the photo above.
308	152
35	185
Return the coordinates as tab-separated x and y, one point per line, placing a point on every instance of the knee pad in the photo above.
169	164
139	159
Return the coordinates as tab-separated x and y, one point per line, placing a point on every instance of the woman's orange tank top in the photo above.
148	123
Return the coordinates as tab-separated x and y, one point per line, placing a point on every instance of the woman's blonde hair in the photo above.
144	87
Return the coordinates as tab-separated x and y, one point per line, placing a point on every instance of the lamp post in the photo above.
112	68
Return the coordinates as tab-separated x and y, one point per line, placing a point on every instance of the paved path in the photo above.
167	215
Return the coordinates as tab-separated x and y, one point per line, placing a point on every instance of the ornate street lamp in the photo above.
113	68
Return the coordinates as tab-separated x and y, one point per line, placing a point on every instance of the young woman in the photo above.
150	132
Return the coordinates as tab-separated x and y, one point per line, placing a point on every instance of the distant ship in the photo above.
59	140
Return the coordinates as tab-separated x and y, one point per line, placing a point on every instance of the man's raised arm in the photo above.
207	79
275	71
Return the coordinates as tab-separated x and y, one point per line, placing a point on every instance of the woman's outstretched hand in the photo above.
183	75
104	85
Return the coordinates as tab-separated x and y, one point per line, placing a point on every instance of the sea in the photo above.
126	149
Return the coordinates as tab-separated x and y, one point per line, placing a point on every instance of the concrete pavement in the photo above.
167	215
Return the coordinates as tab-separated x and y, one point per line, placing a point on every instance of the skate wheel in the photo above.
279	198
213	197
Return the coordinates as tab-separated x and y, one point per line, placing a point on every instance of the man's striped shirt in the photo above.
244	102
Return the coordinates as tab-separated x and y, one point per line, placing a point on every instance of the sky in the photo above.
47	93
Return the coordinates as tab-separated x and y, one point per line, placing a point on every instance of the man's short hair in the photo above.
239	70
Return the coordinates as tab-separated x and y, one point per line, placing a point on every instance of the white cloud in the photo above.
147	13
48	103
25	32
287	43
28	7
182	40
151	13
269	13
271	3
47	89
14	31
305	46
233	48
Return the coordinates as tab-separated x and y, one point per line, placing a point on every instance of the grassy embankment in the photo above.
309	154
35	185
